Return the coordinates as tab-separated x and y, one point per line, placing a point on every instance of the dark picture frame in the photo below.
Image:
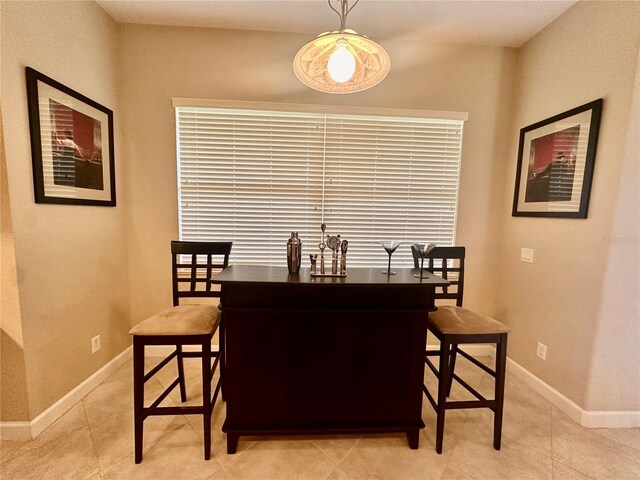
556	158
71	145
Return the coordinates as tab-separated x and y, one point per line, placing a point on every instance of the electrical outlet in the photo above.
526	255
541	351
95	344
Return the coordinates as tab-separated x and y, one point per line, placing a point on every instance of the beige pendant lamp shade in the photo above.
341	61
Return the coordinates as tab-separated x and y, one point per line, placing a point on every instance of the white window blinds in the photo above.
254	176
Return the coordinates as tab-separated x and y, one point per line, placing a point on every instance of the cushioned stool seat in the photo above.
454	320
180	320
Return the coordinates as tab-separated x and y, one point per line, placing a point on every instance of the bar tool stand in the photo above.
338	262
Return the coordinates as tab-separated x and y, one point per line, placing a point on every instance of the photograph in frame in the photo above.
71	144
555	164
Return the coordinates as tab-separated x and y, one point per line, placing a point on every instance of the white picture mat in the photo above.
45	93
583	119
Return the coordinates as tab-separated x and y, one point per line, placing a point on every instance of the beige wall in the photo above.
617	343
71	260
159	63
588	53
14	401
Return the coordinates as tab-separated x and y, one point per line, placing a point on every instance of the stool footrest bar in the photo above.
432	367
213	368
159	367
470	404
166	392
477	363
431	399
172	411
197	354
469	388
215	395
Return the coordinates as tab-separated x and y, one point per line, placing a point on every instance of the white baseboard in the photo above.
15	431
28	430
605	419
586	418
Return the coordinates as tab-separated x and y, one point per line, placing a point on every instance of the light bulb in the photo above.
341	64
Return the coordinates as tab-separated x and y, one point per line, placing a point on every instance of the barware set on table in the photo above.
338	250
338	262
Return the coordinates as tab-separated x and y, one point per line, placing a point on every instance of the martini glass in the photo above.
423	250
390	246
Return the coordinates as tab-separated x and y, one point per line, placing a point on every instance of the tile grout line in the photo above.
117	459
335	467
215	458
93	443
551	423
573	469
348	452
595	431
456	466
336	464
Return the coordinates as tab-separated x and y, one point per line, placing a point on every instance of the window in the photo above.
254	176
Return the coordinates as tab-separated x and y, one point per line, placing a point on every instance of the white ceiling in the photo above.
478	22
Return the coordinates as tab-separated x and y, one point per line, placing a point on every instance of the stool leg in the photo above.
138	396
206	397
452	366
443	382
183	386
501	364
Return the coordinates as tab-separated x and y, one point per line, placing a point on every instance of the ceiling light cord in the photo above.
344	7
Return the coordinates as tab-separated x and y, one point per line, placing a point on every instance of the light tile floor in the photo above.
94	440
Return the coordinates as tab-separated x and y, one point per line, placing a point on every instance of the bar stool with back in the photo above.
182	325
455	325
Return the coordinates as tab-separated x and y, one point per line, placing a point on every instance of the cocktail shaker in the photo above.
294	253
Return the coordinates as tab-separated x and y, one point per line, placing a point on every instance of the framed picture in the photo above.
555	164
71	145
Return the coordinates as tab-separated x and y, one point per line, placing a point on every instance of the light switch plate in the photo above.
95	344
541	351
526	255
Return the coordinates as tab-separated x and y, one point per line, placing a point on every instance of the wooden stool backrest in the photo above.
193	263
448	263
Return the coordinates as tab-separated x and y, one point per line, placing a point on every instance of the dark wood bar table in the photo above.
321	355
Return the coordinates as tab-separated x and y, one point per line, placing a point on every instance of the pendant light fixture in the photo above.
342	61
